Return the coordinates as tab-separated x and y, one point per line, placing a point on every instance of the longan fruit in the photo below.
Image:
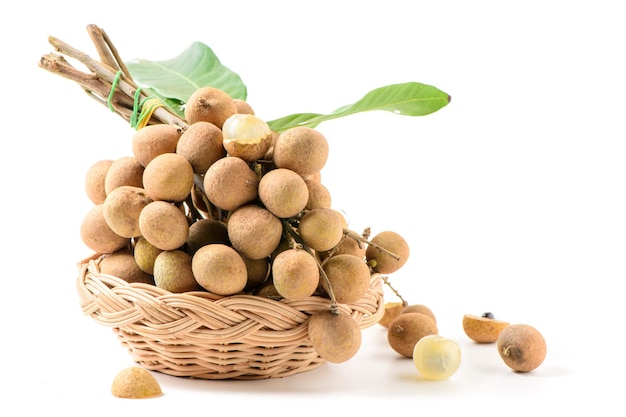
254	231
319	195
173	273
122	207
126	170
205	231
521	347
349	278
321	229
219	269
153	140
347	245
163	225
168	177
419	308
267	290
209	104
243	107
283	192
392	310
135	382
230	183
258	272
295	274
145	254
94	180
335	336
122	264
381	261
201	144
483	329
301	149
96	233
407	329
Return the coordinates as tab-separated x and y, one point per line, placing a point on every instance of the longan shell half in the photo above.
483	329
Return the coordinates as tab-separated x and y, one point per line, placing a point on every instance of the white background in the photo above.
511	198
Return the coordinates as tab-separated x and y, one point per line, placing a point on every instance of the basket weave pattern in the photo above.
205	336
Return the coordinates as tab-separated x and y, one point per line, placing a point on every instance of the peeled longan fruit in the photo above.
209	104
391	311
349	278
283	192
172	272
126	170
301	149
163	225
246	136
94	180
153	140
521	347
483	329
135	382
383	262
407	329
321	229
254	231
219	269
419	308
168	177
295	274
122	208
201	144
122	264
205	231
97	235
335	337
230	183
145	254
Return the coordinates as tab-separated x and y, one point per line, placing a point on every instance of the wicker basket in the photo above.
202	335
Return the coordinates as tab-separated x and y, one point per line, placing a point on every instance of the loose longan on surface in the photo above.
522	347
407	329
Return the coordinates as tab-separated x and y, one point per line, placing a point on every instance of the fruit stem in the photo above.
99	82
364	240
333	301
386	281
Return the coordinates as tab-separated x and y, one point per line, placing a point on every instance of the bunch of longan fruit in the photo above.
228	206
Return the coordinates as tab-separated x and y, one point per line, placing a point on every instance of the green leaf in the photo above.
174	80
411	99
